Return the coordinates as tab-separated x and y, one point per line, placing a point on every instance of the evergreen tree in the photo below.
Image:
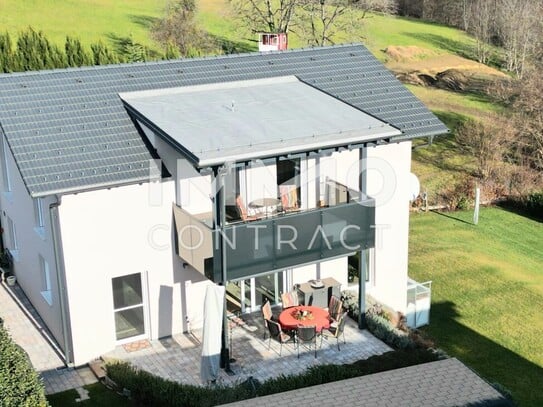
172	52
75	54
135	52
102	55
36	52
9	59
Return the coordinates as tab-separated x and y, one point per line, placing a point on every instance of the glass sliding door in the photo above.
268	287
128	306
249	295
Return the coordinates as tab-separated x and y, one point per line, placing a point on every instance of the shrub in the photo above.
378	321
150	390
20	385
531	205
383	329
350	303
147	389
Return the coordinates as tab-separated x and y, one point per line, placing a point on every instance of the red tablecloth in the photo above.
320	319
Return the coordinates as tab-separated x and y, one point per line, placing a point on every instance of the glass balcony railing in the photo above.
291	239
281	240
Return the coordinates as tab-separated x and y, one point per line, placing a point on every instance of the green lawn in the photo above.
100	396
487	291
89	20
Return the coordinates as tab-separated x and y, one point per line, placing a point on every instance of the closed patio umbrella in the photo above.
213	322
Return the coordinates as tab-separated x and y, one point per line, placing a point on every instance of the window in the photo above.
354	268
5	167
13	244
38	209
39	218
128	306
46	281
12	235
289	182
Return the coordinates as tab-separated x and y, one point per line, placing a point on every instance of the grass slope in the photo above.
487	288
89	20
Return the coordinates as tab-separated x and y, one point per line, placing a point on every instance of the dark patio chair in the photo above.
337	329
277	334
307	335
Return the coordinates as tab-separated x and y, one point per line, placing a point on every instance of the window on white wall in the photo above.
12	235
5	167
39	217
46	291
38	209
354	268
128	306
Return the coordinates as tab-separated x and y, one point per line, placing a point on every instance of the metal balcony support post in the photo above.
219	217
363	264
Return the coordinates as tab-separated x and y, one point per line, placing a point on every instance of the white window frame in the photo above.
5	167
45	271
143	304
12	231
39	217
38	206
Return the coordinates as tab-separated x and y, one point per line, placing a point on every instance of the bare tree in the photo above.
528	117
322	19
315	21
519	27
178	28
480	16
265	15
486	139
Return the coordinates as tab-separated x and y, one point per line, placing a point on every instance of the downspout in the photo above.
61	277
362	263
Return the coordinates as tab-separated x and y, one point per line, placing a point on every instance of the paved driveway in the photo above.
28	331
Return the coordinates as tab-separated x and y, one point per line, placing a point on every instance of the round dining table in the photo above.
316	316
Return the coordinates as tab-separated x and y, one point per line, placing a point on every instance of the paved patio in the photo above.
178	357
29	331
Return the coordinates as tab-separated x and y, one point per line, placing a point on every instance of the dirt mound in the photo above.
423	67
407	53
421	60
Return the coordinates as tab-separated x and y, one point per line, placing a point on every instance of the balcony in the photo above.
245	249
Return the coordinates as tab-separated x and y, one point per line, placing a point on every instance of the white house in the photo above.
127	189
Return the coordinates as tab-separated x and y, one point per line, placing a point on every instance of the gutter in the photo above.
61	280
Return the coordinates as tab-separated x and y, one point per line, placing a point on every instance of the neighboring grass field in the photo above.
109	20
487	293
89	20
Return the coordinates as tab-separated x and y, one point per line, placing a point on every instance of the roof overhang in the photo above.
237	121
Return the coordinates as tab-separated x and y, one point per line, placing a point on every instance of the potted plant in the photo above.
6	267
11	279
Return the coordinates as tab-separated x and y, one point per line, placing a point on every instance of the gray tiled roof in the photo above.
443	383
68	129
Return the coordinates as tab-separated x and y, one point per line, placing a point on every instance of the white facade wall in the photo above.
32	242
391	194
115	232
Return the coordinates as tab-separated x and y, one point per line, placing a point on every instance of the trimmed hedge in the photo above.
147	389
20	385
